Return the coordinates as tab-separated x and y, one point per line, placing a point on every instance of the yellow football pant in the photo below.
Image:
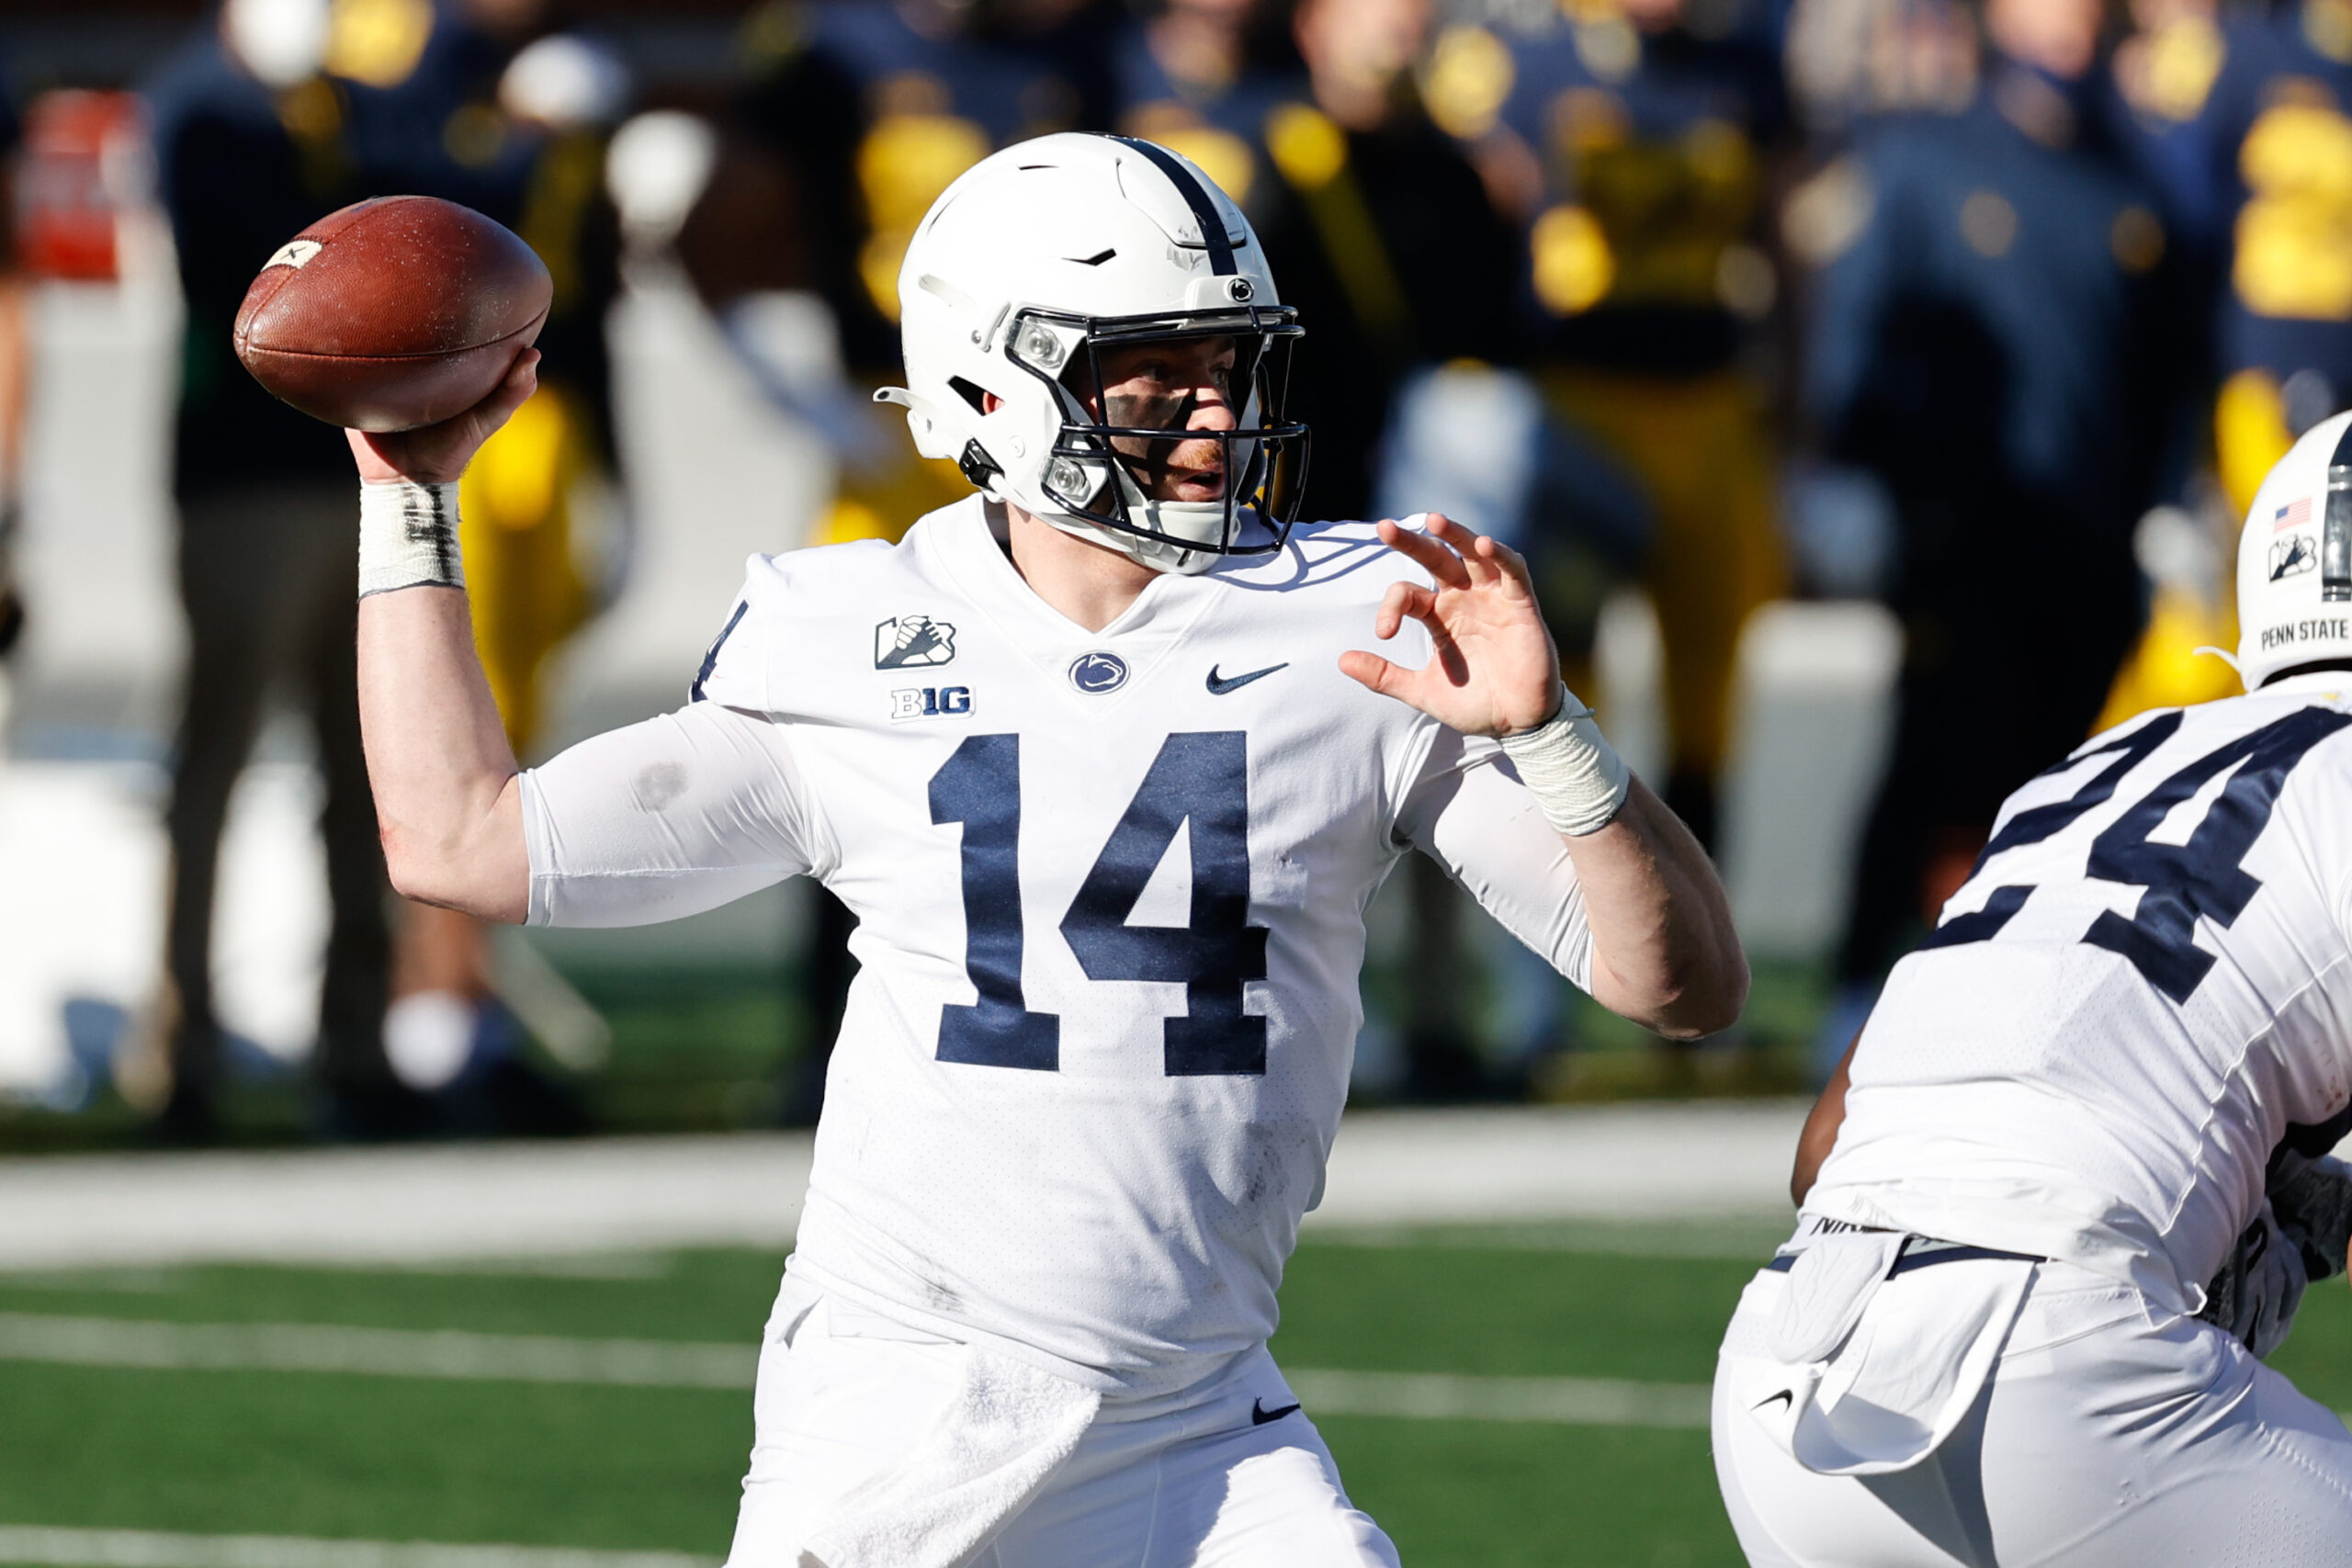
1703	450
515	527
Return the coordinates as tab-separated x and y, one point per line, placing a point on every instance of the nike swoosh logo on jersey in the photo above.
1259	1414
1219	685
1787	1395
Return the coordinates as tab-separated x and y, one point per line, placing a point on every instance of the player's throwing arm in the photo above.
409	320
447	795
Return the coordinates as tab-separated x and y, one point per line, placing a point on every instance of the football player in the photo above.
1103	761
2068	1185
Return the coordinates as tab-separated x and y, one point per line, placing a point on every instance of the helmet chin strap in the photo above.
1162	554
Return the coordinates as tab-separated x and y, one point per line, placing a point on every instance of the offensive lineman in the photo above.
1102	762
2076	1170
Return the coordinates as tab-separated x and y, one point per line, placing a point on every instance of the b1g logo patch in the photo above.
905	642
929	702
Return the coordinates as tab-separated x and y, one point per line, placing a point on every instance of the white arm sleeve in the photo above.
1469	812
667	817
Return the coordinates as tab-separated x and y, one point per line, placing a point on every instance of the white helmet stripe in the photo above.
1205	211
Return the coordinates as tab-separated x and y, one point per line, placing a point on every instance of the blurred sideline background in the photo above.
716	453
721	474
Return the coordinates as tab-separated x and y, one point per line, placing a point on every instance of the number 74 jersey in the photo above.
2142	990
1110	889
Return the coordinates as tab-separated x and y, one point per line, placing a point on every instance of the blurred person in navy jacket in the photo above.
1991	337
275	116
252	145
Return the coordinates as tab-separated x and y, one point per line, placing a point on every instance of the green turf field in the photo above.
389	1458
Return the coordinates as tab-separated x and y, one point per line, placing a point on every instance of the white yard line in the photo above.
651	1363
483	1203
372	1352
163	1548
1567	1401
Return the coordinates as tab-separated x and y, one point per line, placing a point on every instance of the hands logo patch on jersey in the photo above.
1098	674
907	640
2292	556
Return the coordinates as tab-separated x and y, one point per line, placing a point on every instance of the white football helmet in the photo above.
2295	560
1026	268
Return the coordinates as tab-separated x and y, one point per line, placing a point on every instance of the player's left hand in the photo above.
2255	1296
1496	672
2313	1198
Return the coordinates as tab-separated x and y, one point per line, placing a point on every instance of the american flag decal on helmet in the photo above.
2292	514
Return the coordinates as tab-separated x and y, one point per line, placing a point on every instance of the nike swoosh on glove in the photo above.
2253	1297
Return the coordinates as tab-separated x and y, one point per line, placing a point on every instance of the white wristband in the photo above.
408	537
1570	767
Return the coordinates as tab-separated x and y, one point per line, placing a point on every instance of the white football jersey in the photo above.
2142	990
1110	890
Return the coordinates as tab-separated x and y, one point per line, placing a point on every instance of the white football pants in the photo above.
2107	1435
1206	1479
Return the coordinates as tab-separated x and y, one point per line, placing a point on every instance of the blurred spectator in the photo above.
2164	104
859	114
2270	179
287	110
1380	233
1991	339
1201	77
14	369
523	123
2243	120
1851	60
1640	132
2165	71
251	144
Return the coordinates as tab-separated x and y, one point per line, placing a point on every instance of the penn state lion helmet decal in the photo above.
2295	560
1032	265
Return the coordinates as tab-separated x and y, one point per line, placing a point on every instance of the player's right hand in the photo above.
437	453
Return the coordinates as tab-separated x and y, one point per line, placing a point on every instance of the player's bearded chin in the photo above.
1160	463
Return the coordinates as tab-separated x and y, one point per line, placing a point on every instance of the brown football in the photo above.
392	313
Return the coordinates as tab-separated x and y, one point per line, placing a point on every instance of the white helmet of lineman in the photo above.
1035	261
2295	560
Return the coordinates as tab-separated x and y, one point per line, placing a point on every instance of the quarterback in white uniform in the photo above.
1104	764
2076	1172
